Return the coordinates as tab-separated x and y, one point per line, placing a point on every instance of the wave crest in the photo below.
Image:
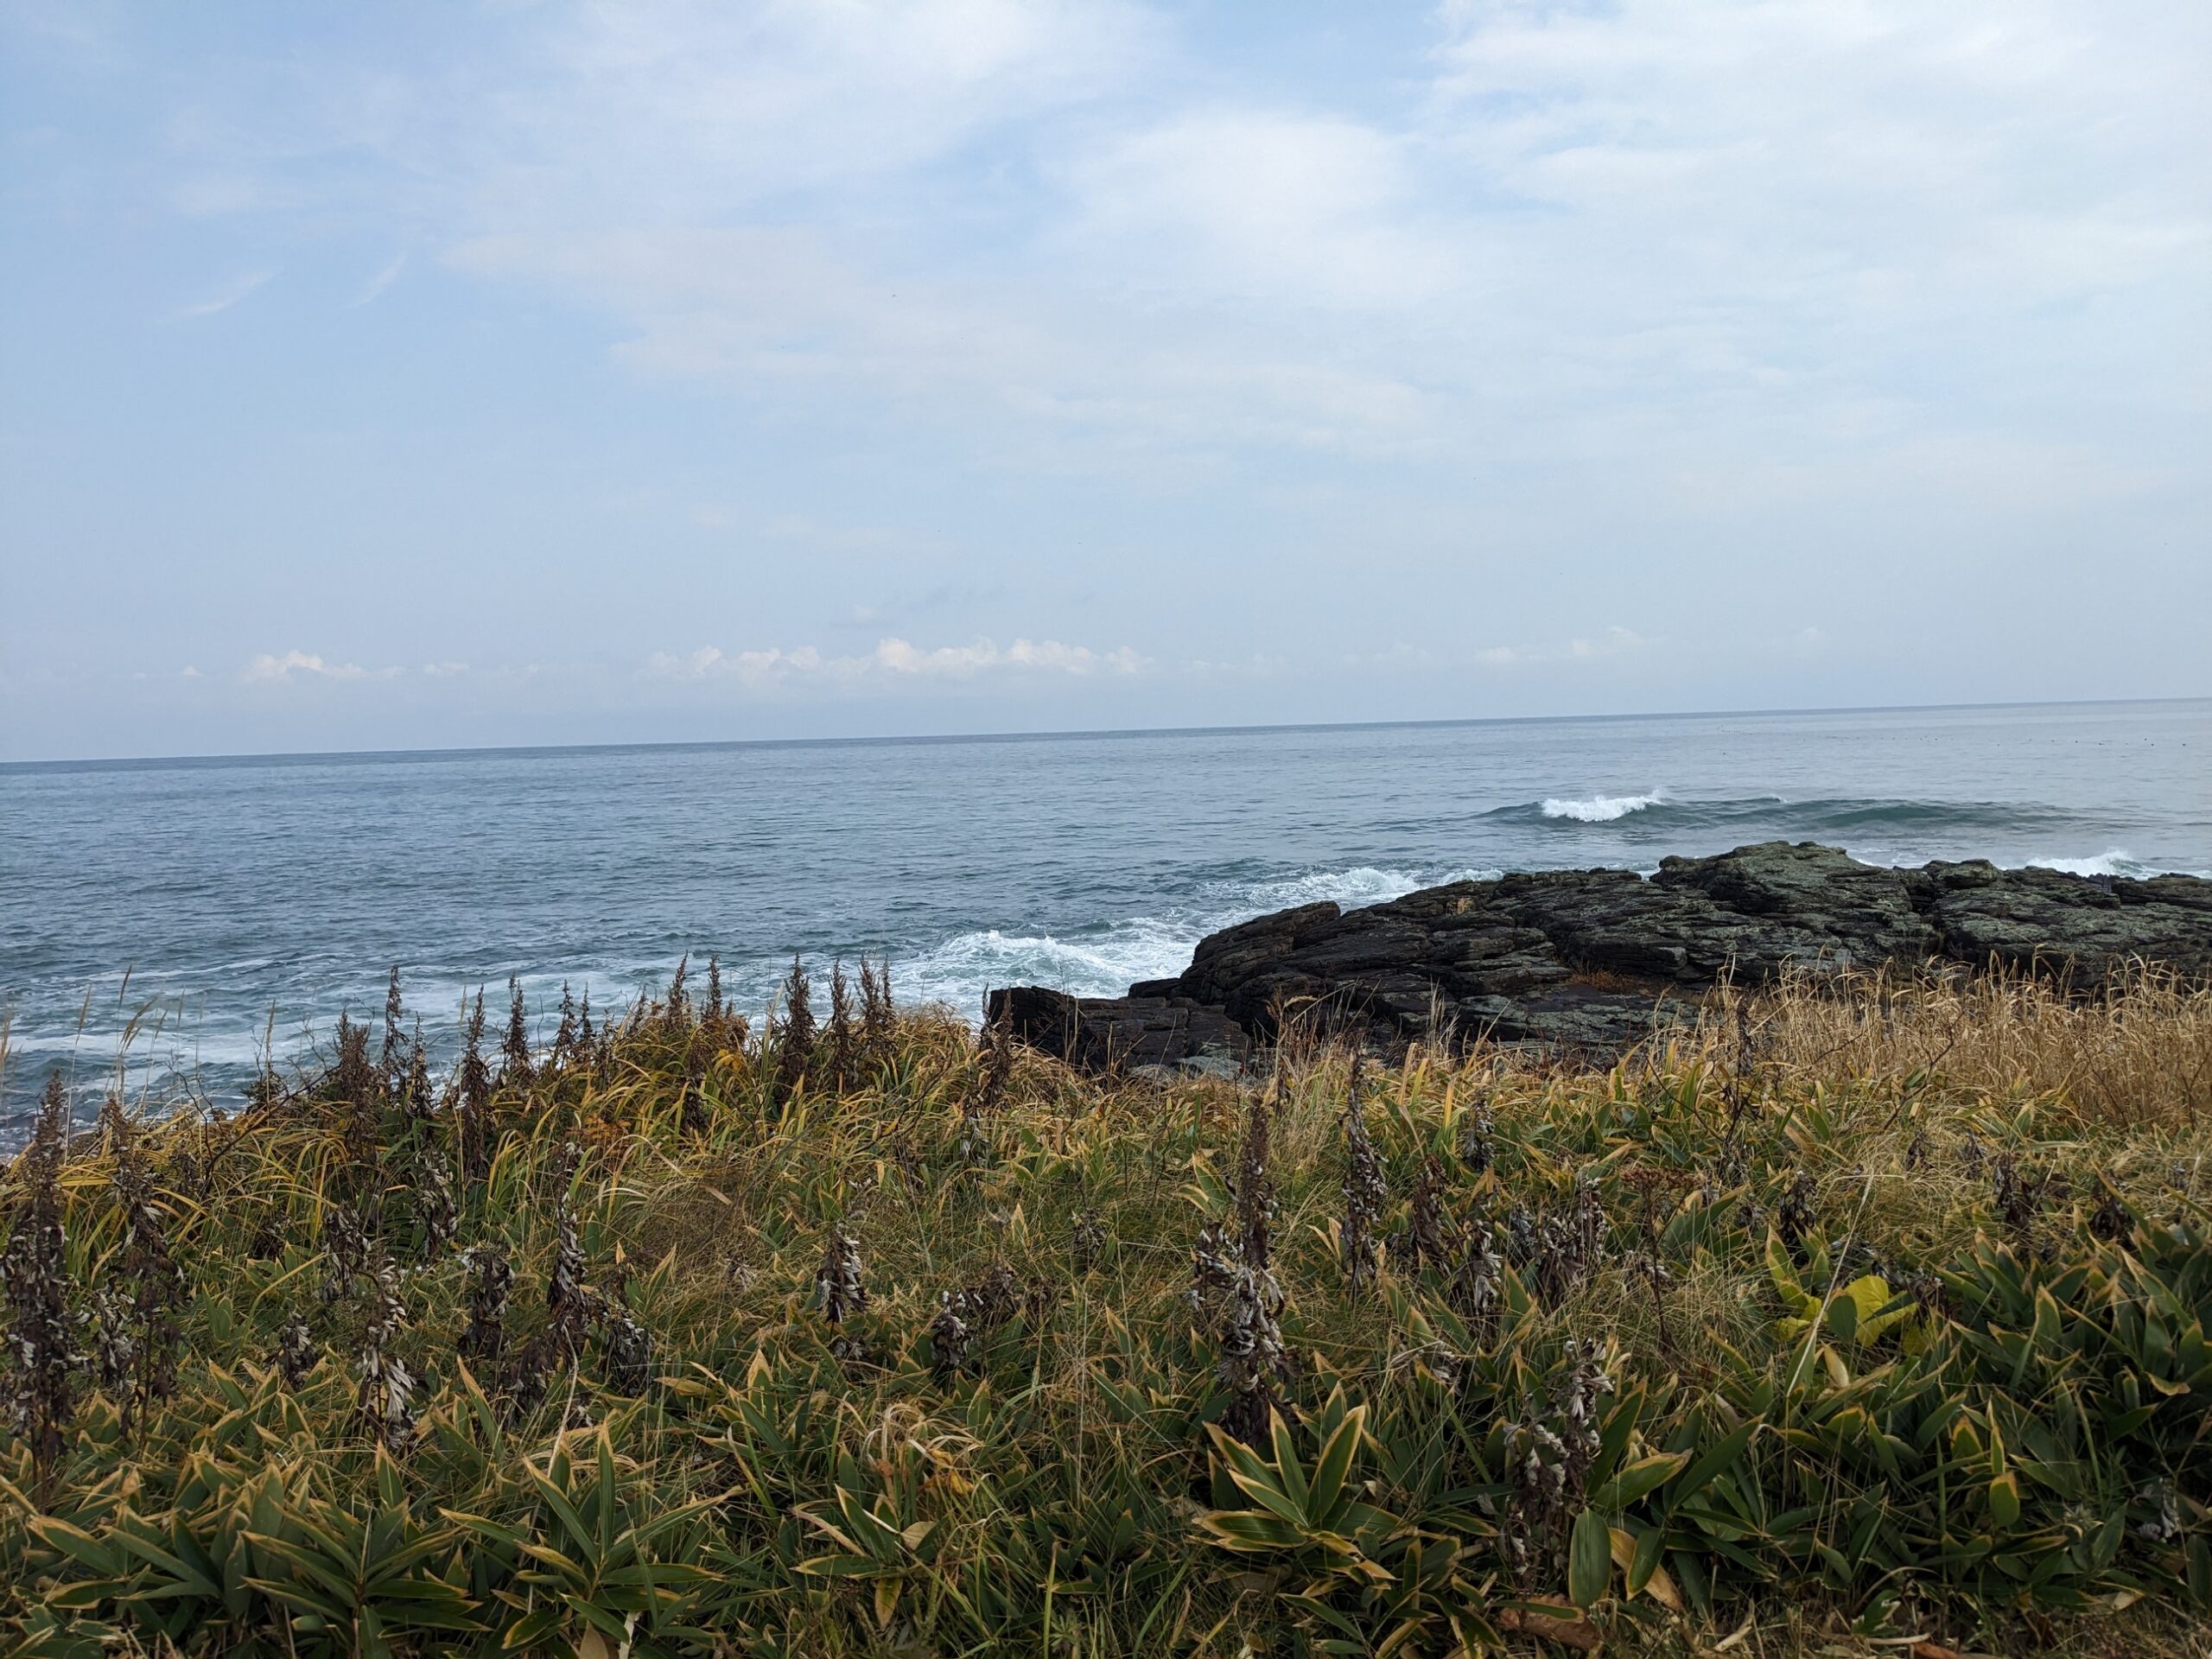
2113	862
1598	808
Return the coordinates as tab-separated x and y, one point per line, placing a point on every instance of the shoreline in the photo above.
1594	962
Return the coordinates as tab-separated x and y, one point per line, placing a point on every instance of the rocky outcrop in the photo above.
1122	1033
1596	959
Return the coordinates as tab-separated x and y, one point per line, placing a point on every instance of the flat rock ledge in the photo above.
1594	960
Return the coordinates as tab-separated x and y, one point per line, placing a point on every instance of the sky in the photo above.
447	374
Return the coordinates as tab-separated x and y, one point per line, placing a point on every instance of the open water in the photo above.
181	914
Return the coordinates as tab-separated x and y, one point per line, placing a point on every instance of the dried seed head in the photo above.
1364	1193
516	1070
628	1345
842	1041
473	1083
2017	1194
1428	1229
838	1290
1568	1245
1253	1357
878	1017
1256	1191
158	1287
564	1035
1087	1241
677	1013
383	1403
297	1354
950	1336
1548	1460
344	1252
491	1282
567	1299
795	1035
35	1270
1474	1290
1795	1216
435	1207
114	1356
2112	1220
1477	1150
1520	1237
398	1059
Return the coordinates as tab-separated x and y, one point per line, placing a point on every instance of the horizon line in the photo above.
458	751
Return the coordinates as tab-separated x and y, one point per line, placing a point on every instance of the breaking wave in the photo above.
1598	808
1105	959
1657	816
2116	861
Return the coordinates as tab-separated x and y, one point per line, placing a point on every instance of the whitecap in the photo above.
959	971
1599	809
1104	959
2111	862
1363	884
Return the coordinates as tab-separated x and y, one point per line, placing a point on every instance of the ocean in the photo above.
166	921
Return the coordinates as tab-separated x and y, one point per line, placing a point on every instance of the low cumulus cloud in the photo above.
893	662
265	668
1615	641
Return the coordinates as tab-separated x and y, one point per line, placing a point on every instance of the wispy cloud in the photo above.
224	300
374	288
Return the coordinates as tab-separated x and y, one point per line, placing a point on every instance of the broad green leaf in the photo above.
2005	1499
1331	1467
1639	1480
1589	1559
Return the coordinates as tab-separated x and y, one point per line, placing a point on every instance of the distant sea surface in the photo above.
202	908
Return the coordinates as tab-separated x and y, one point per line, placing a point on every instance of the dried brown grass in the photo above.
2137	1053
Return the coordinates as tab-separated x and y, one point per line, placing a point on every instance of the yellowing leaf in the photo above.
1655	1584
2005	1499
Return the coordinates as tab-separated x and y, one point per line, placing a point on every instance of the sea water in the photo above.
180	918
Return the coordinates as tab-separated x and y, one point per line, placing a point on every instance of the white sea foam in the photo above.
1599	809
2113	862
1107	960
959	971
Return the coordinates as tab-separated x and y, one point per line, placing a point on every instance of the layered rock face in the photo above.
1595	959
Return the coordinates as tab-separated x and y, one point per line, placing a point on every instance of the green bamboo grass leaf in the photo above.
1250	1530
77	1544
1720	1456
198	1581
1639	1481
1589	1559
582	1533
1331	1467
2005	1499
1289	1472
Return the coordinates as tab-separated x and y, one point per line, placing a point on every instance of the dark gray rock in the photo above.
1596	960
2086	928
1123	1034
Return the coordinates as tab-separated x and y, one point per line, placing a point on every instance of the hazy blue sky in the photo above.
398	375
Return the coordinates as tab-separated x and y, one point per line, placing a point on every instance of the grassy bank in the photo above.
1850	1319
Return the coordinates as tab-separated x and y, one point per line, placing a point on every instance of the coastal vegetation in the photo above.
1865	1317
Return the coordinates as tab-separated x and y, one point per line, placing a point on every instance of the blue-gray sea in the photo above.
181	914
